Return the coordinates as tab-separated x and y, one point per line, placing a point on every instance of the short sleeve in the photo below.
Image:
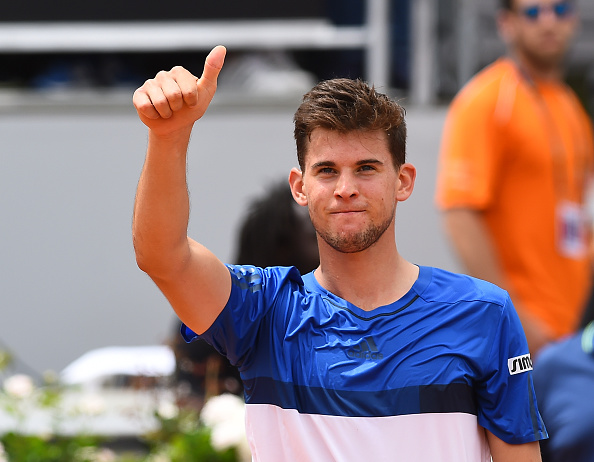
507	404
470	150
255	293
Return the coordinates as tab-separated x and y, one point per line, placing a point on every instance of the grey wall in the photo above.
68	278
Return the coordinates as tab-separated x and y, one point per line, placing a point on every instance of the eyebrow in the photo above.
329	163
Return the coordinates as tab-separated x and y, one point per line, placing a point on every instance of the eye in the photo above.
326	170
562	9
367	168
531	12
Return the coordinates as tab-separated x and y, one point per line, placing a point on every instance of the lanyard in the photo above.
559	152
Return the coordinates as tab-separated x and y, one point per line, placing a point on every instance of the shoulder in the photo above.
254	278
486	89
472	301
448	287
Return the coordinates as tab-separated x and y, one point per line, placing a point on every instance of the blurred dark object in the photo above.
276	231
351	63
201	372
137	10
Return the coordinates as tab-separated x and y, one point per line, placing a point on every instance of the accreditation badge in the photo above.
571	230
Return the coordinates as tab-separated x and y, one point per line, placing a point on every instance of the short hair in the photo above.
506	4
347	105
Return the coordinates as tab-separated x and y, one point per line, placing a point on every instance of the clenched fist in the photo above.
175	99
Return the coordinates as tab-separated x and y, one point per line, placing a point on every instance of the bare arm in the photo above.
473	245
187	273
505	452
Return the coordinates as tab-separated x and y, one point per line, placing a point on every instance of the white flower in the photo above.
244	452
95	454
225	415
19	386
227	434
105	455
159	457
222	408
167	410
3	456
91	404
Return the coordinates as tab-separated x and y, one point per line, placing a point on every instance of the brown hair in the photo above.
347	105
506	5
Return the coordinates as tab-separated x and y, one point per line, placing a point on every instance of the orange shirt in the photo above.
515	149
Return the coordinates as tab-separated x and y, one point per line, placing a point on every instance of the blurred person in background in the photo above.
274	232
515	163
564	384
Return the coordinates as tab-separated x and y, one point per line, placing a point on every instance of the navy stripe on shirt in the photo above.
453	397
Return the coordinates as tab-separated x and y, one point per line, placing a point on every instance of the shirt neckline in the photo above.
312	285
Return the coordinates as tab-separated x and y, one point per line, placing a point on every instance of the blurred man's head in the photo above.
538	32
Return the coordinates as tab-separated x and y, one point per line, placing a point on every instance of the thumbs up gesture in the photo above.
175	99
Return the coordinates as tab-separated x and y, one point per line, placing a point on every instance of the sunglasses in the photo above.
561	10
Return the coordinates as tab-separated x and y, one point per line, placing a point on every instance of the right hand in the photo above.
175	99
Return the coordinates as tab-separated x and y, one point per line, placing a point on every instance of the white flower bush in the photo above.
217	433
3	456
158	458
95	455
225	415
19	386
222	408
167	410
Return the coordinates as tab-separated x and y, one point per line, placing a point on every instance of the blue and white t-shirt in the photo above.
413	380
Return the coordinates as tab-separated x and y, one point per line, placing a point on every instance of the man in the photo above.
367	357
516	158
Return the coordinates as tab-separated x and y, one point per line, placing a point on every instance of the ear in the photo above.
407	175
297	186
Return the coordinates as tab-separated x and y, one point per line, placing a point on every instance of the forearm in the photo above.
505	452
473	245
161	209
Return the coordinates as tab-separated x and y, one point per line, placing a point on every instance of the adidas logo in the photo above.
366	349
519	364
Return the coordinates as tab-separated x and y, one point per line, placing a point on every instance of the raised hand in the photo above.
175	99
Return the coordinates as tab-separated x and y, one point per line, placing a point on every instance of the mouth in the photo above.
346	212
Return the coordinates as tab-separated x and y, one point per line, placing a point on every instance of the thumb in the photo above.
212	67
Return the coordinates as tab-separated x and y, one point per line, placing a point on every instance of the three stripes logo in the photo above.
366	349
519	364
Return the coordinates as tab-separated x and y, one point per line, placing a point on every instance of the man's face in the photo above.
540	31
351	186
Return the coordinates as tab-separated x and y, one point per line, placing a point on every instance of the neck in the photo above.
374	277
551	72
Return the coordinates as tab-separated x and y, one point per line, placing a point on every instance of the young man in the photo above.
516	158
369	356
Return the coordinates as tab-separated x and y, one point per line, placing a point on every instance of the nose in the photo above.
346	186
548	15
